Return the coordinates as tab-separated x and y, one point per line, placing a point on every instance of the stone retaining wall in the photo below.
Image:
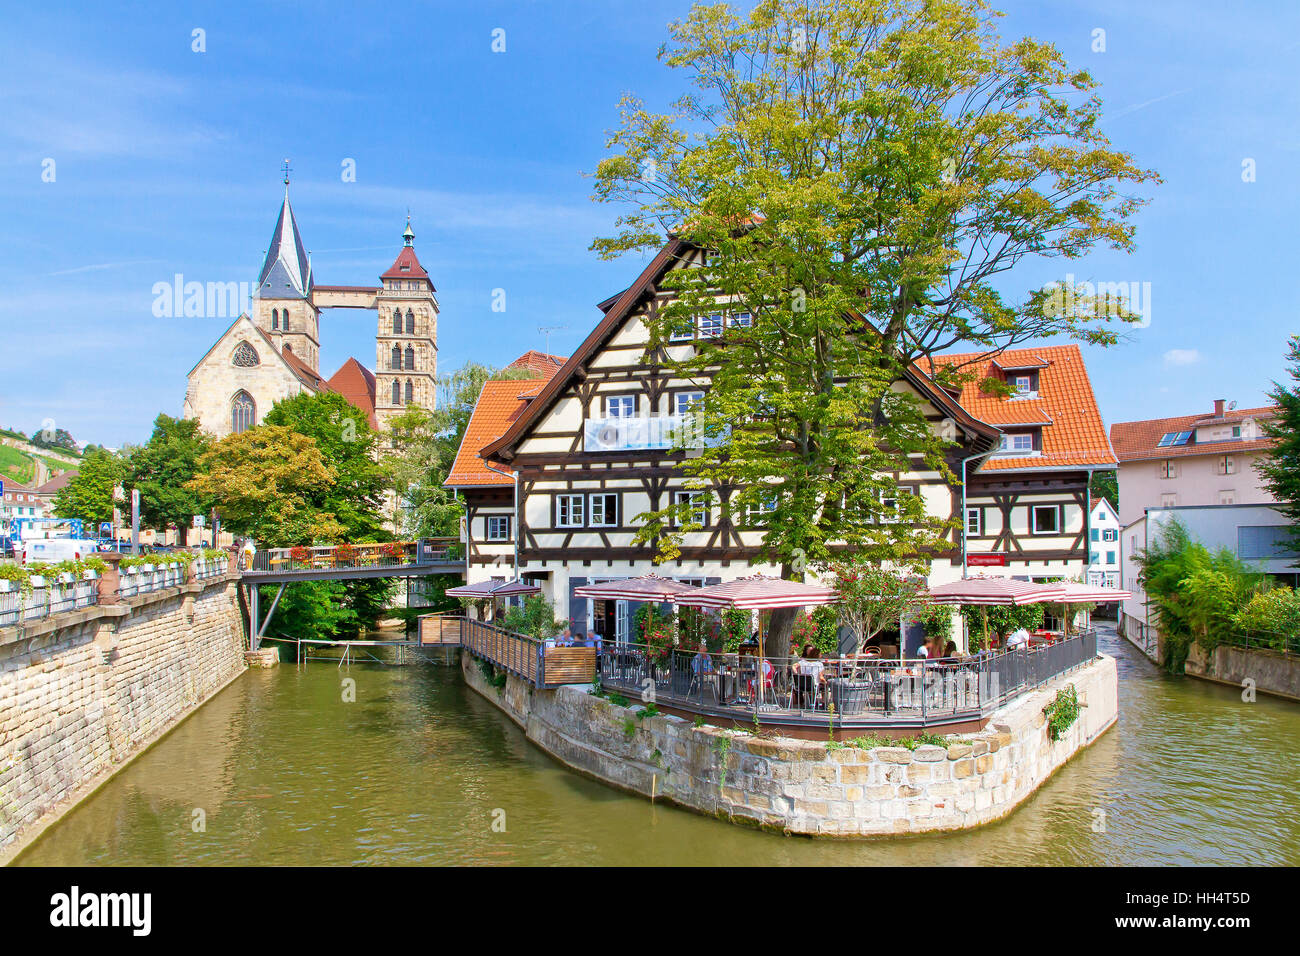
1271	671
85	692
800	786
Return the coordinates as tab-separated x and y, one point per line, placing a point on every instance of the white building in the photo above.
1104	556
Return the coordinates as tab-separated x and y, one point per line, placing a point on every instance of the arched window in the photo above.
410	322
396	360
410	391
275	319
246	356
397	392
284	321
410	357
397	321
243	412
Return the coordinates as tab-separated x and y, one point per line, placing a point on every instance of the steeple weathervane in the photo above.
408	236
285	167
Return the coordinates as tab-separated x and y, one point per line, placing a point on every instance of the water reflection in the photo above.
288	773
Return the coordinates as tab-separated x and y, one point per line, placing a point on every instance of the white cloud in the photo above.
1182	357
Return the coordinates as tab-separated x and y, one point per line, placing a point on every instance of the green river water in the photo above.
412	772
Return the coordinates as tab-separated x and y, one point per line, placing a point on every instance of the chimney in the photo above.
1218	407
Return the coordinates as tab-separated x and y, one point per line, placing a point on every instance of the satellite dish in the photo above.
1231	406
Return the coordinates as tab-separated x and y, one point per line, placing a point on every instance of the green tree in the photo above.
344	438
1105	484
161	470
266	483
59	440
1280	468
89	494
862	173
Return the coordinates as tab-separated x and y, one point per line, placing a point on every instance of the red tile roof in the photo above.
57	482
302	370
405	266
1073	433
356	383
1136	441
498	405
539	363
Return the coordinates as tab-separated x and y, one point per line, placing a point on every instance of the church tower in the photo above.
282	303
406	359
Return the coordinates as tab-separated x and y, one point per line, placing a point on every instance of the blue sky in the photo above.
167	161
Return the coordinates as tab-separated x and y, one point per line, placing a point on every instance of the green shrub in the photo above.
1274	614
1062	712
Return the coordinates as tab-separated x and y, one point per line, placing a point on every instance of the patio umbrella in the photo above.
759	592
1076	593
648	588
491	590
995	591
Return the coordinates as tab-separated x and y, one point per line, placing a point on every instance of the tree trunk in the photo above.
183	529
780	625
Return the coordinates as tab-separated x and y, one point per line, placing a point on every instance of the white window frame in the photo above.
621	400
695	398
700	514
742	319
605	521
573	518
1109	534
684	334
488	535
711	324
1027	390
978	515
1033	519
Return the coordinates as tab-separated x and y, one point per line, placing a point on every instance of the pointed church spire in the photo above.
408	236
286	272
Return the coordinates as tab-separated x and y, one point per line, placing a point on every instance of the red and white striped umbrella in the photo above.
648	587
493	589
1076	593
758	591
996	591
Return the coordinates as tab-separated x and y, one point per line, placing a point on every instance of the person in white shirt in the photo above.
1018	638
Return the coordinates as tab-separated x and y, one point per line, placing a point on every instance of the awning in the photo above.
996	591
648	587
758	592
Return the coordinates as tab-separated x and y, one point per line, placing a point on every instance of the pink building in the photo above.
1191	460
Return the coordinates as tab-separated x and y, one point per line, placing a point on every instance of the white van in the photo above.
53	550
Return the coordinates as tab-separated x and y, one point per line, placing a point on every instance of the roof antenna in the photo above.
547	330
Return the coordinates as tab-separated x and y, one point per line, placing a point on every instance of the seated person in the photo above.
702	662
1017	638
809	672
950	649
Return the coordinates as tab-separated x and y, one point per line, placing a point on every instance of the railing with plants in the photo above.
211	563
143	574
843	690
386	554
542	663
32	592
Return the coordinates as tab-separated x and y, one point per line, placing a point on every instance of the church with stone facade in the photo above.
274	353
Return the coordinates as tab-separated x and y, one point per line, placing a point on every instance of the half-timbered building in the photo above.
579	456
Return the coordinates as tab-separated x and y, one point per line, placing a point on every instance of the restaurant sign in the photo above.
986	560
664	432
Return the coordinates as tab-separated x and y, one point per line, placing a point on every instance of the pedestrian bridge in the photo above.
346	562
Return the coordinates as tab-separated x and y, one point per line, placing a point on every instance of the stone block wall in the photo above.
1271	672
800	786
86	692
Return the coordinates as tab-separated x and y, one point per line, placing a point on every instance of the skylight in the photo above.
1170	439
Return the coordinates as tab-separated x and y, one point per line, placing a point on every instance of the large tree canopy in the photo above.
862	173
1280	469
89	494
161	468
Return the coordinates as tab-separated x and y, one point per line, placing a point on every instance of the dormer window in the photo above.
1024	384
1174	439
1017	443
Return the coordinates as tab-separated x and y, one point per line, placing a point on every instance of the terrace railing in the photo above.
538	662
392	554
849	691
46	596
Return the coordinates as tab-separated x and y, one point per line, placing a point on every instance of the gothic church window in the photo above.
397	392
410	357
396	360
397	321
243	412
410	322
275	319
410	391
246	356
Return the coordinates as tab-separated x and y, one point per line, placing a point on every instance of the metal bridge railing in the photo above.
388	554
